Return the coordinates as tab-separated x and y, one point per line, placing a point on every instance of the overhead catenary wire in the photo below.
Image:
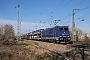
83	9
84	16
67	9
53	12
76	12
32	12
58	5
73	6
63	6
50	14
29	16
60	8
61	18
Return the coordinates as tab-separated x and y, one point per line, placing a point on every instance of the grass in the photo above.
24	51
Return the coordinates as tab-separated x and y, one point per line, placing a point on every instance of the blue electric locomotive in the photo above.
56	34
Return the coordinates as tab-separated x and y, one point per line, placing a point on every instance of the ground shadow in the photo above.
79	52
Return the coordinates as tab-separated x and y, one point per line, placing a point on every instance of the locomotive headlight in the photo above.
56	39
68	36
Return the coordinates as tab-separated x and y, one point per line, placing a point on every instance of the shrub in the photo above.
6	42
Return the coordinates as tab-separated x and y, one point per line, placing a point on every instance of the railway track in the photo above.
59	49
81	42
51	48
51	52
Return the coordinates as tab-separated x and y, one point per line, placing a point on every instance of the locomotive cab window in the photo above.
65	29
61	29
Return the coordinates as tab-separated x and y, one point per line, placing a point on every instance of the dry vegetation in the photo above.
24	51
6	32
72	53
13	50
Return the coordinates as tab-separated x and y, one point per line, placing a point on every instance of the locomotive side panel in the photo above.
57	33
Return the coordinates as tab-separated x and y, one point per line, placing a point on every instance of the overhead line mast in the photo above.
73	26
18	25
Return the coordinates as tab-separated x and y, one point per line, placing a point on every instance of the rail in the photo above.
51	52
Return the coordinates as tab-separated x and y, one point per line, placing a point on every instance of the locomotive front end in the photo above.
64	34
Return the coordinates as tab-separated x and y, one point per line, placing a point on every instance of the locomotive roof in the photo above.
56	27
61	26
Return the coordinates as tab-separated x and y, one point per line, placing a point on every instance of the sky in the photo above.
43	12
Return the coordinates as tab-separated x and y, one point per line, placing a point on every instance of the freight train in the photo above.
59	34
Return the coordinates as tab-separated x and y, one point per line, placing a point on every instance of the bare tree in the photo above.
1	32
79	33
8	31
